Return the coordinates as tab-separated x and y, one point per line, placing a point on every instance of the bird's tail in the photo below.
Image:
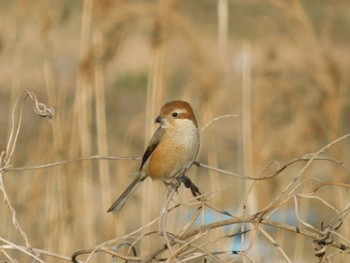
120	202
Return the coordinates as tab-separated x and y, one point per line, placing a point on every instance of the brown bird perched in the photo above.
171	150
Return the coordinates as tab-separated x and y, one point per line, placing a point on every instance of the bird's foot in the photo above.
189	184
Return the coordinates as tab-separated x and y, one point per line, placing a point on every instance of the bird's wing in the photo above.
157	136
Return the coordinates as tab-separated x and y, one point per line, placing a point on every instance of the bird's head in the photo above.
175	113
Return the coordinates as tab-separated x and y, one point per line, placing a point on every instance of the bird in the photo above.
170	152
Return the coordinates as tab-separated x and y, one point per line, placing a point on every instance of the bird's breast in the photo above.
176	152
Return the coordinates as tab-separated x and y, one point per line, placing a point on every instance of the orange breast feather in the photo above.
167	159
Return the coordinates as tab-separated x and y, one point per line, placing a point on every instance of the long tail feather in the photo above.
120	202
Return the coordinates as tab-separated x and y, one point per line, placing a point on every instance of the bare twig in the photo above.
171	189
50	165
5	159
189	239
216	119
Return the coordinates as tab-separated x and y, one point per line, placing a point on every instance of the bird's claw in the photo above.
189	184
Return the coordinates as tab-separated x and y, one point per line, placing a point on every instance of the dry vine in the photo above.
193	240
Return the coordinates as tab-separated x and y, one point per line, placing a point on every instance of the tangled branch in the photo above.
5	158
194	239
188	243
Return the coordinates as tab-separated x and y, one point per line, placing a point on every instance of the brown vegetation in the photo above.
277	72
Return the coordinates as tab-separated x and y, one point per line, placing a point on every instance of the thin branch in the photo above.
50	165
216	119
5	159
21	248
276	245
171	189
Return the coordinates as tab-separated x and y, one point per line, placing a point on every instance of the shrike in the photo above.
171	150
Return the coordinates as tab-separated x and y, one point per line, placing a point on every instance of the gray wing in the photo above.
152	144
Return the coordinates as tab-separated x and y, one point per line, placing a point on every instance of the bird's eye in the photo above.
175	114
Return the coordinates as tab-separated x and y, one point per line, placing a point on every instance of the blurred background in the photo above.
107	67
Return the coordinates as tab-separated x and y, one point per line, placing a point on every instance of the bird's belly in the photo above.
171	160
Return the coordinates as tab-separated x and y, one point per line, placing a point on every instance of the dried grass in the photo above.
268	63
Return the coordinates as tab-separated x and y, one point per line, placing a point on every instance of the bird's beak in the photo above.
159	119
